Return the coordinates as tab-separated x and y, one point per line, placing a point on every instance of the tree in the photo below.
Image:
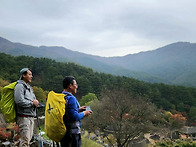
192	113
40	94
121	114
174	121
177	121
85	100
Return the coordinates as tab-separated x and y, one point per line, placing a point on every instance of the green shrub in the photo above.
176	143
89	143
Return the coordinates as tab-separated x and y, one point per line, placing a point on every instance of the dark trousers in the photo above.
71	140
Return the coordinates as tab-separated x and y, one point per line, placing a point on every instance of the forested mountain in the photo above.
172	64
175	63
48	74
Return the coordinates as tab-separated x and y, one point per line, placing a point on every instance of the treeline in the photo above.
48	75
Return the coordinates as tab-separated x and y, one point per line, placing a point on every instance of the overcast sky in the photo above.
99	27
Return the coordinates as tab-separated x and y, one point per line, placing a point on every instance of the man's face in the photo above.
28	77
74	87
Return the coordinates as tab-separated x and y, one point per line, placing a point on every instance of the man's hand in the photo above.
87	113
83	108
35	102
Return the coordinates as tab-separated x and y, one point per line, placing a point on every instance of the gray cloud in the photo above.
99	27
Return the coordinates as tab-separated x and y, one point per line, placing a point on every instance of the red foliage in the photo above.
16	128
2	129
5	133
5	136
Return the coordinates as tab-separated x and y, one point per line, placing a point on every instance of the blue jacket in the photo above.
72	115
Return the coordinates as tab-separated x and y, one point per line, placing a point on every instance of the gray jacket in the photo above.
23	96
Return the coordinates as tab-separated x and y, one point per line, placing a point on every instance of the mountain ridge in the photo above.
170	64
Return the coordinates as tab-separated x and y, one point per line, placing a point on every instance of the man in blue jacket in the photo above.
26	104
74	113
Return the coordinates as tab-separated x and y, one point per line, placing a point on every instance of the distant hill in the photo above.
175	63
171	64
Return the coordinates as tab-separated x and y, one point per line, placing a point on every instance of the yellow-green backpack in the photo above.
7	103
55	109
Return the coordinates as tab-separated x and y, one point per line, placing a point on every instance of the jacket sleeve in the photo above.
73	110
19	96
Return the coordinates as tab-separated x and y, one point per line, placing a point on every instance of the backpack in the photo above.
55	128
7	103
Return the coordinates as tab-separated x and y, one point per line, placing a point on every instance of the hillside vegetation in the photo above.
48	75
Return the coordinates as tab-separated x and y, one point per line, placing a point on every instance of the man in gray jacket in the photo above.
26	104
